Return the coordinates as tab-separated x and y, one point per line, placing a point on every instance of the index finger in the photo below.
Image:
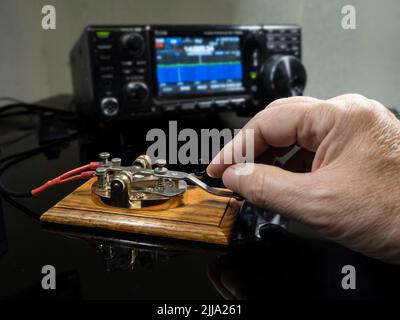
282	125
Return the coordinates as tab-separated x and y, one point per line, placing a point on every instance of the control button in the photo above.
204	104
283	46
133	78
170	107
127	71
104	46
141	62
188	106
221	103
106	68
104	57
127	63
238	101
107	76
103	35
141	70
109	106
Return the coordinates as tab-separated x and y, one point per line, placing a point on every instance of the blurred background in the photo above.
35	64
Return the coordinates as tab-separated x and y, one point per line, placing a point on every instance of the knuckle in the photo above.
353	107
276	102
355	97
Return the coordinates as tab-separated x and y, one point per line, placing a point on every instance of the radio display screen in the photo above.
198	64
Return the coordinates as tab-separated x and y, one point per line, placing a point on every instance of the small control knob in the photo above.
283	76
134	43
109	106
136	91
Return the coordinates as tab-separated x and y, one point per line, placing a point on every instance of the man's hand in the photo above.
352	194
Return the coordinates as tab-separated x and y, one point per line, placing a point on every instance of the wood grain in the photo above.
202	217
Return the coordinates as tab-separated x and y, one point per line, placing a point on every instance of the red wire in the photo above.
68	176
83	175
90	166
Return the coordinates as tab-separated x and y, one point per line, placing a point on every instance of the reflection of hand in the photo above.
351	194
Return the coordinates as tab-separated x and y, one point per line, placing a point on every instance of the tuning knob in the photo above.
134	43
283	76
136	91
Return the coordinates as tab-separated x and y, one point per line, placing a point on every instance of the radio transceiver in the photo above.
120	72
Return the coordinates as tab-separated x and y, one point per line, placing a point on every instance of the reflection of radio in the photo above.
124	71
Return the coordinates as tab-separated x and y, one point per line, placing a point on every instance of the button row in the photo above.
130	63
129	71
282	47
281	38
294	31
192	105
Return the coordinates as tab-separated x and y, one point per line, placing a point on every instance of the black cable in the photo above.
17	113
35	107
11	160
21	207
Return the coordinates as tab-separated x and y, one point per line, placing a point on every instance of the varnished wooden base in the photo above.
201	217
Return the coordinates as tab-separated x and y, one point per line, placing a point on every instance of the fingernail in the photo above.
209	172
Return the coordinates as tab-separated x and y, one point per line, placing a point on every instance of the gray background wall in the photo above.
34	63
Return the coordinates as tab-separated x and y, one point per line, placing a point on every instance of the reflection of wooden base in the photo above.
202	217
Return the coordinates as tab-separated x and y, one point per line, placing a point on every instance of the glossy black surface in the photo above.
106	265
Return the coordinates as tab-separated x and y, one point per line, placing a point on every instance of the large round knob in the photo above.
283	76
136	91
134	43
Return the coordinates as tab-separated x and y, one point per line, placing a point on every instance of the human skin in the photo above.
351	193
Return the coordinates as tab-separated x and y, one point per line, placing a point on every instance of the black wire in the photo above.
21	207
35	107
11	160
16	113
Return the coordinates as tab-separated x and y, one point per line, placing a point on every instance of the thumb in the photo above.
287	192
